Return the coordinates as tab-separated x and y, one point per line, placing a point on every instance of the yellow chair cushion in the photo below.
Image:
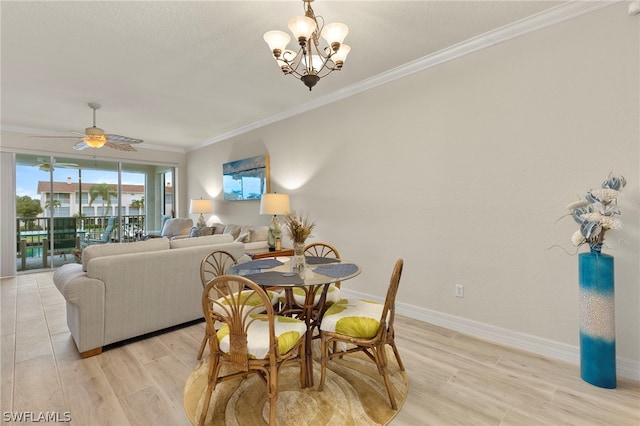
355	318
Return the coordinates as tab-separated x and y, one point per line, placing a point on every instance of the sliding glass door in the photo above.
64	204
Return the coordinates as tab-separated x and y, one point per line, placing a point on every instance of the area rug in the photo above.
354	394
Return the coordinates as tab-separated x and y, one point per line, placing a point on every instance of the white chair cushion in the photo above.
288	331
356	318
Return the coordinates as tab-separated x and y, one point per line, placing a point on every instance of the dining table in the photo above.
314	280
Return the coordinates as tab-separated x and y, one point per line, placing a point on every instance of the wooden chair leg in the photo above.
203	344
205	407
272	385
397	354
381	360
303	365
324	357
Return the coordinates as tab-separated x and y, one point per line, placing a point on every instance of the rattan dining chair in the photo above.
362	326
252	339
328	251
213	265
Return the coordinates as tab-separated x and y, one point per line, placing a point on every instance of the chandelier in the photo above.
311	62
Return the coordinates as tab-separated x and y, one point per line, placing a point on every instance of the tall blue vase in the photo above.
597	320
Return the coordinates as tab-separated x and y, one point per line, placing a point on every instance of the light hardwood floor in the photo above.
453	378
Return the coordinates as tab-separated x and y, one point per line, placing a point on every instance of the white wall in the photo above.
463	171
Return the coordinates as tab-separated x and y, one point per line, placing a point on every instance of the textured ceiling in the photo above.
178	74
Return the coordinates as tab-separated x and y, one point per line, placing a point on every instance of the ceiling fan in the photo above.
45	165
94	137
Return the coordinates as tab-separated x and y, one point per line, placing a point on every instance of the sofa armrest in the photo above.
85	299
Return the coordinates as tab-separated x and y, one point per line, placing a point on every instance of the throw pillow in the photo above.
260	233
201	232
242	238
234	230
177	226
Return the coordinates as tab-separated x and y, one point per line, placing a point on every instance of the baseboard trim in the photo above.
626	368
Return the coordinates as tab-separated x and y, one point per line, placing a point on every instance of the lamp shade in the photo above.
201	206
274	204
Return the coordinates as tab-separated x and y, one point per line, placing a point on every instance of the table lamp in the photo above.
274	204
201	206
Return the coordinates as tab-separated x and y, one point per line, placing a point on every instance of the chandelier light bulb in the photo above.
302	27
316	63
334	34
341	55
277	41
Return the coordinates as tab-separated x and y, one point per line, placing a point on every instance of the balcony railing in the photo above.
33	249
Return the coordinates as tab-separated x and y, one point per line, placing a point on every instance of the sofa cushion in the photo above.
201	241
99	250
201	231
234	230
218	228
177	226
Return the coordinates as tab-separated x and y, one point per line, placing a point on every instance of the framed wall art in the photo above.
246	179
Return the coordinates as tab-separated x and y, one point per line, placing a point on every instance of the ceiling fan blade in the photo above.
80	146
57	137
120	146
66	165
118	139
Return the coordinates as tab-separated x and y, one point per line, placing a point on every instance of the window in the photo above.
88	191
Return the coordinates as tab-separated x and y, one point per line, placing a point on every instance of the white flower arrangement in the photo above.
596	213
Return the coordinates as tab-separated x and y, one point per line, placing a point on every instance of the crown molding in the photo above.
556	15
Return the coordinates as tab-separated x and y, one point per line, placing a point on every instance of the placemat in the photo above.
317	260
337	270
275	278
259	264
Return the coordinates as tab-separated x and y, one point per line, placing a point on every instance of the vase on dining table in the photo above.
298	262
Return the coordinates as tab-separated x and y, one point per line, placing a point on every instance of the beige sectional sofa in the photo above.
253	237
122	291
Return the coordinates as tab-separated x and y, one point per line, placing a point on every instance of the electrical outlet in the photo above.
459	290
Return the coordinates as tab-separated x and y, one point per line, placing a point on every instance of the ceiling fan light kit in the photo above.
94	137
310	63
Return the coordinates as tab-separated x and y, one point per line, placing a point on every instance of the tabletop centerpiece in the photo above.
595	213
298	228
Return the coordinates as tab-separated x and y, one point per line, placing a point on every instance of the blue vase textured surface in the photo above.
597	320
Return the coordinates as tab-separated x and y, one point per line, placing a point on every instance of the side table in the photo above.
264	252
